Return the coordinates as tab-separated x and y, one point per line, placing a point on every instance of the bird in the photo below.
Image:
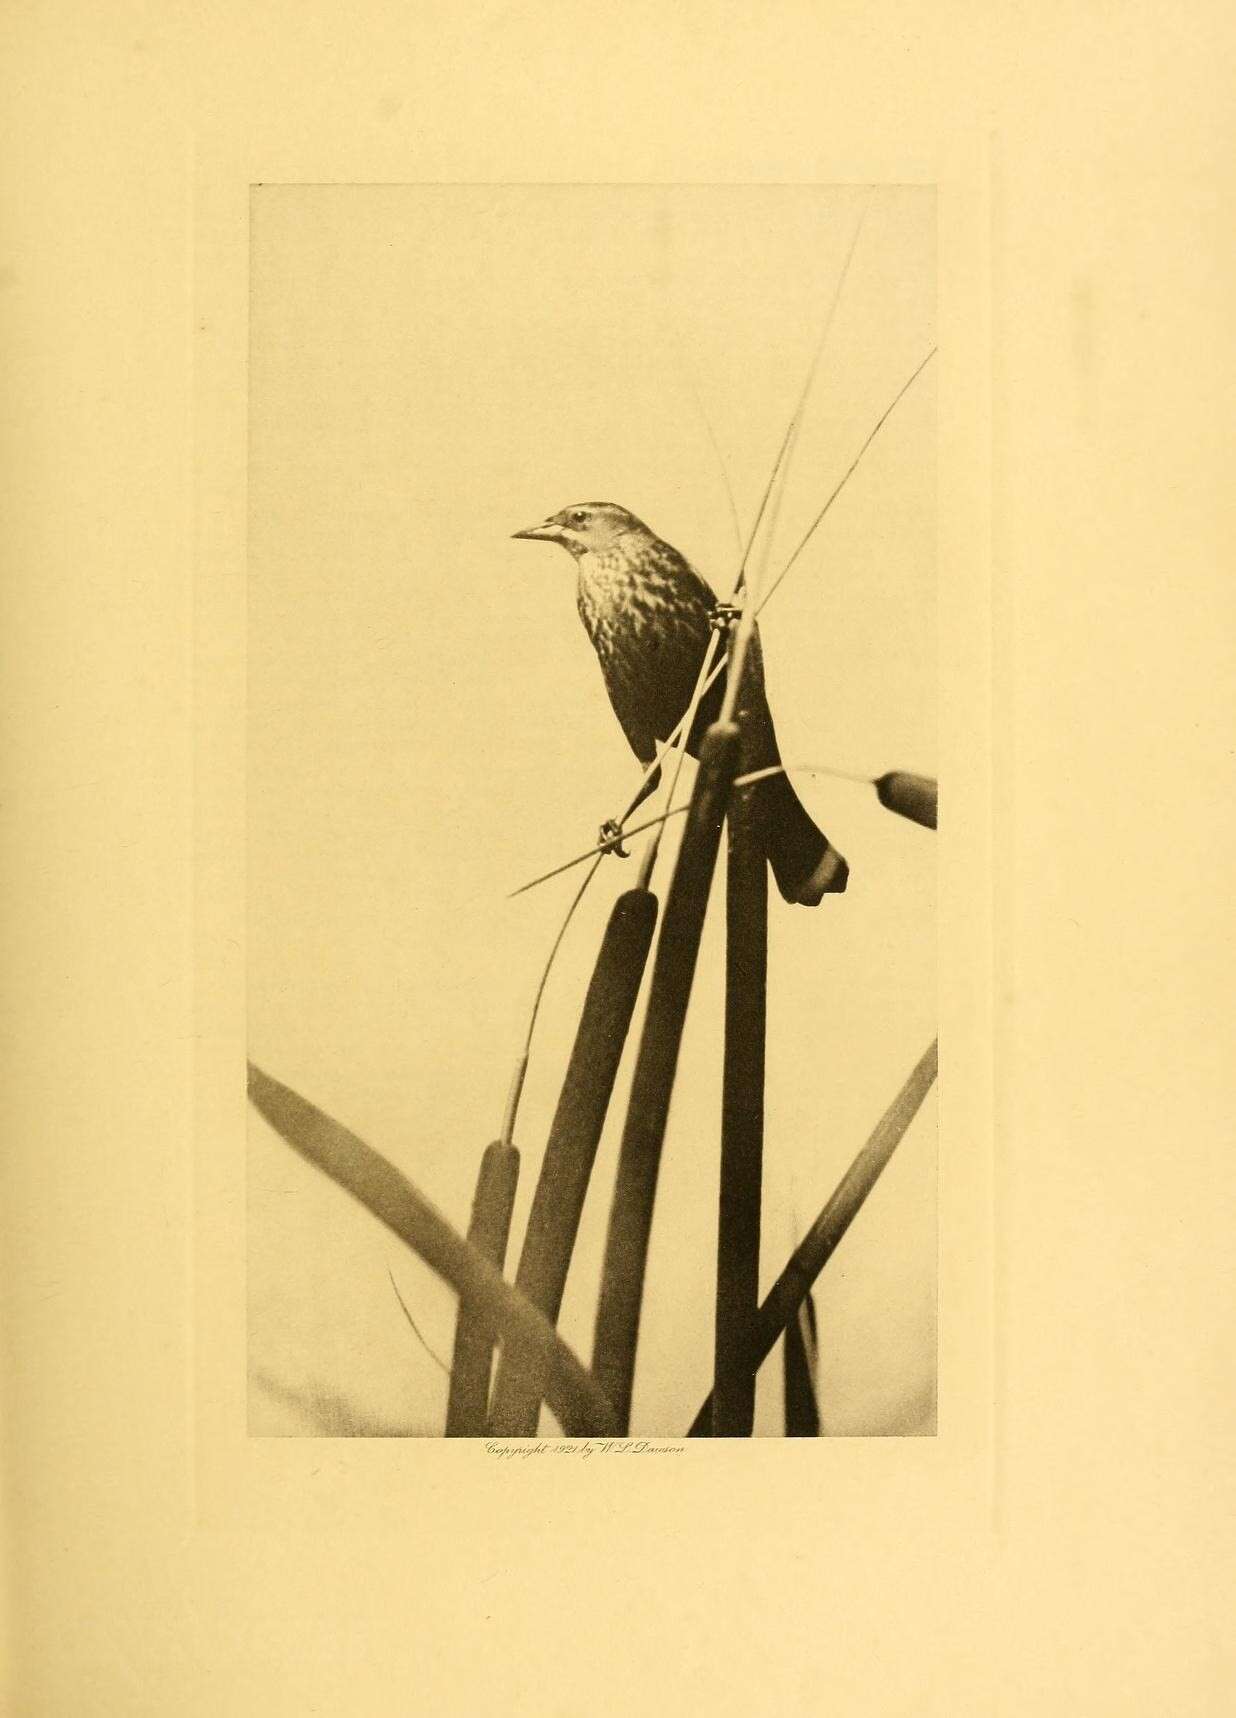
648	615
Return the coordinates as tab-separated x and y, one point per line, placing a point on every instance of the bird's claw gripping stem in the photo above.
724	615
610	839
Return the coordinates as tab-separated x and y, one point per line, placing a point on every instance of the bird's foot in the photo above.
609	839
724	615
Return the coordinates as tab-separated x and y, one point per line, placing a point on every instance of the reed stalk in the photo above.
742	1109
626	1254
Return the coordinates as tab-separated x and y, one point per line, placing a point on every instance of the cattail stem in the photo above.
820	1242
742	1114
558	1203
571	1391
494	1200
630	1225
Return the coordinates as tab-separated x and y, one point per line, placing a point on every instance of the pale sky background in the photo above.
432	368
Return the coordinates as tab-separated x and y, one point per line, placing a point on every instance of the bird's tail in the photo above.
805	863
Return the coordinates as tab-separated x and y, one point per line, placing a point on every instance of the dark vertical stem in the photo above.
630	1224
802	1407
558	1203
488	1229
742	1115
822	1239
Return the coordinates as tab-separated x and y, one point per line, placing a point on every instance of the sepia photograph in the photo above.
545	1172
591	797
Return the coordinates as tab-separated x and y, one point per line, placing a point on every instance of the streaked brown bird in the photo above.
649	614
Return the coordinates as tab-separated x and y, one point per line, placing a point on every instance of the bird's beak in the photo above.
546	533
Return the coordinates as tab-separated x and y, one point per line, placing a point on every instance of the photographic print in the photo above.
591	810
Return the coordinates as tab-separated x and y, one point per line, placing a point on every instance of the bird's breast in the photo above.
625	603
648	615
608	594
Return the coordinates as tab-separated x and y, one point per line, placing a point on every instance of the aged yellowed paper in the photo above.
208	716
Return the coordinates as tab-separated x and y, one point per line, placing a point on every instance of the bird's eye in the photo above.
579	518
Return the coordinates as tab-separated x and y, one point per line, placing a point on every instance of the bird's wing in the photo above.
633	719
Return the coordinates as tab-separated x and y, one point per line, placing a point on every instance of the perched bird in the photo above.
649	614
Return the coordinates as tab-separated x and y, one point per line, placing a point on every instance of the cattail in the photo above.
488	1231
558	1203
912	796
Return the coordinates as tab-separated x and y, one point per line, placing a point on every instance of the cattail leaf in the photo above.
800	1355
822	1239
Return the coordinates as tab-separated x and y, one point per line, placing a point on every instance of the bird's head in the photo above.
585	528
